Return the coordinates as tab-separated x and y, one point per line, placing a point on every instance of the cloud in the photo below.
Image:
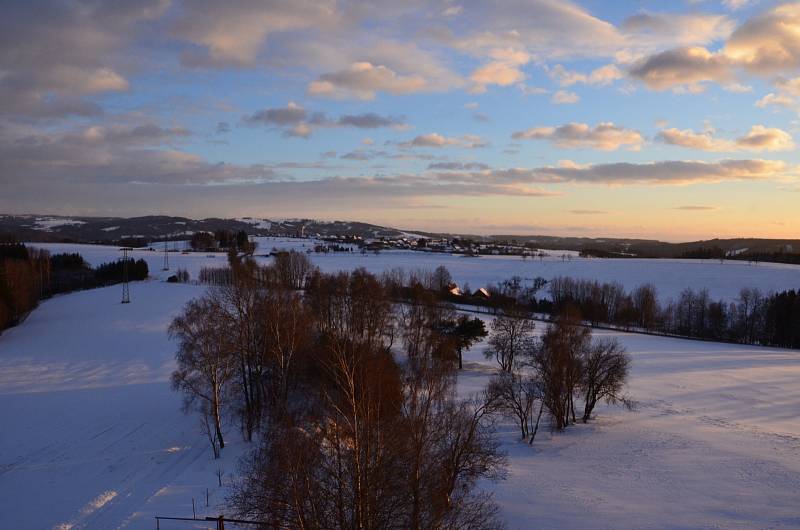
601	76
459	166
223	127
565	97
589	212
761	138
437	140
773	99
737	88
647	30
113	154
603	136
758	139
682	67
788	86
661	173
768	43
363	80
296	121
672	172
232	33
503	70
55	56
735	4
291	114
554	29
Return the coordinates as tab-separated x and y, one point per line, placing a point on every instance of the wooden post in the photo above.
194	514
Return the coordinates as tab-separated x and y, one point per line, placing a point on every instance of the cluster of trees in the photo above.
752	318
348	436
180	276
551	373
753	256
24	277
114	271
222	239
347	383
70	272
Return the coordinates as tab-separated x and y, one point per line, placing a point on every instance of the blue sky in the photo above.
589	118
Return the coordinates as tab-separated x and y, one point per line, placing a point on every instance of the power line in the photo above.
126	289
166	256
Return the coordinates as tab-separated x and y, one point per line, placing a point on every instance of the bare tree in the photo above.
516	394
605	370
511	337
292	269
242	302
558	365
204	359
286	321
441	279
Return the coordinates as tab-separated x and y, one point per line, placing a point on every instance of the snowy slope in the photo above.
93	437
714	443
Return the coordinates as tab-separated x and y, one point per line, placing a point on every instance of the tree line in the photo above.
222	239
24	276
754	317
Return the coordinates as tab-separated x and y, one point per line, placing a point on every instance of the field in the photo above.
723	280
93	437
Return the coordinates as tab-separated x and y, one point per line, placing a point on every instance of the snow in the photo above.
714	443
263	224
670	276
93	437
48	223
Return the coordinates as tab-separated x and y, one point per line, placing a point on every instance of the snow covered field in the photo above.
714	443
723	280
92	436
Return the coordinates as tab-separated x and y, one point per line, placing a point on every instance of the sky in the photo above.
670	120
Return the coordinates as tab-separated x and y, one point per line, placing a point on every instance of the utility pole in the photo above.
126	289
166	257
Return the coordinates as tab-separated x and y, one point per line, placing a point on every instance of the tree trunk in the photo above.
217	420
536	427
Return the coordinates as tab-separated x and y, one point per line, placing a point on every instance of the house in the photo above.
482	293
453	289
